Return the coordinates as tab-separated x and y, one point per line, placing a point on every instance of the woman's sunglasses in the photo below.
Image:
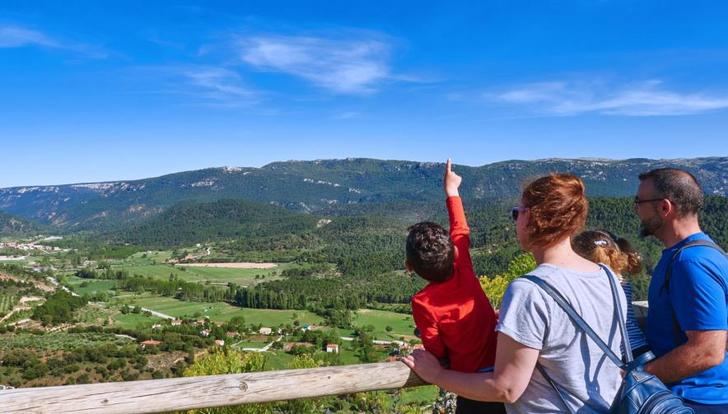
515	211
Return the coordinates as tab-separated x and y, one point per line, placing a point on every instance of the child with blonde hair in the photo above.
604	247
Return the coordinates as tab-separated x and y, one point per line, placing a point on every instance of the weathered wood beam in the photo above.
154	396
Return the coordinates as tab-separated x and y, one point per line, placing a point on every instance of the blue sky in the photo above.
93	91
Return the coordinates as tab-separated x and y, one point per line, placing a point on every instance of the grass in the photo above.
252	344
89	286
402	325
424	395
145	257
277	360
220	311
347	354
242	277
134	321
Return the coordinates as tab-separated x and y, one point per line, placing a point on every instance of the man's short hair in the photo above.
430	251
678	186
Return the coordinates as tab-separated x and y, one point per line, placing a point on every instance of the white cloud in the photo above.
15	36
217	83
208	85
343	66
12	36
640	99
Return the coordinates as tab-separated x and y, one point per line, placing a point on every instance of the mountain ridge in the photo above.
327	184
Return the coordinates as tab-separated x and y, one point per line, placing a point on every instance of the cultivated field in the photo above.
219	311
204	274
7	302
239	265
401	324
89	286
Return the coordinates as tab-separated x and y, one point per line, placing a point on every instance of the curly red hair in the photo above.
557	207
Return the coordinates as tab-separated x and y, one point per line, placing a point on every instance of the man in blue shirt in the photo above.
687	322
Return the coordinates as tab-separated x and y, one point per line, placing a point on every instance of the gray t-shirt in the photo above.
531	317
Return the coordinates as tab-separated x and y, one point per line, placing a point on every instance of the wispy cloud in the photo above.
14	36
346	66
647	98
210	85
218	83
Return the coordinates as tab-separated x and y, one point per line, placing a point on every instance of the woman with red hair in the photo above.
533	330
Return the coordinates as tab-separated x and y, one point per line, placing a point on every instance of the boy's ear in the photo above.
408	267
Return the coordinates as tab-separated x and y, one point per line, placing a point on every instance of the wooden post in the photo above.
153	396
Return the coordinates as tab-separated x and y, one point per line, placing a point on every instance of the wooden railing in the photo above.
154	396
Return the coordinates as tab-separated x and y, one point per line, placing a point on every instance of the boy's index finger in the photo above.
448	165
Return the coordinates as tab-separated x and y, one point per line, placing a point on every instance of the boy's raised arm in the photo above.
459	230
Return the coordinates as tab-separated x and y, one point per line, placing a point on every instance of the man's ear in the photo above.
667	207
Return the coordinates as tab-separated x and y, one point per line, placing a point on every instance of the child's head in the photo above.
604	247
430	252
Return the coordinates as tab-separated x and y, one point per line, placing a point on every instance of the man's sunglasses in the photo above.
515	211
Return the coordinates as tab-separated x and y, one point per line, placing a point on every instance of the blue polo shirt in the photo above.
699	295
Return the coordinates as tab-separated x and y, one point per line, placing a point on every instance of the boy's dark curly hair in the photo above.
430	251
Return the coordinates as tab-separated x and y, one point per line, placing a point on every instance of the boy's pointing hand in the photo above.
451	181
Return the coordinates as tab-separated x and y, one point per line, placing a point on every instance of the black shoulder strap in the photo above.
578	320
693	243
677	331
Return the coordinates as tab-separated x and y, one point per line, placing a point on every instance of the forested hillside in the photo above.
13	225
334	186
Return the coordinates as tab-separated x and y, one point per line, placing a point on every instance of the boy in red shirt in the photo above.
454	317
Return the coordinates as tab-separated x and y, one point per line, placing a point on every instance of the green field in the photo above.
277	360
425	395
401	324
219	311
89	285
242	277
147	257
135	321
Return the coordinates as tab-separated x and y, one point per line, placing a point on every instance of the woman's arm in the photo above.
514	364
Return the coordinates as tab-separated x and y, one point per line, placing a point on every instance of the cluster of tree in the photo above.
318	338
316	269
174	287
106	357
346	292
102	273
58	308
16	226
18	287
192	222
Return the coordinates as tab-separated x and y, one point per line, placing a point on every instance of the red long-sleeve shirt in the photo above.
454	317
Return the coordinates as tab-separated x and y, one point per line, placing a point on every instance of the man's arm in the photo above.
700	309
513	369
703	350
